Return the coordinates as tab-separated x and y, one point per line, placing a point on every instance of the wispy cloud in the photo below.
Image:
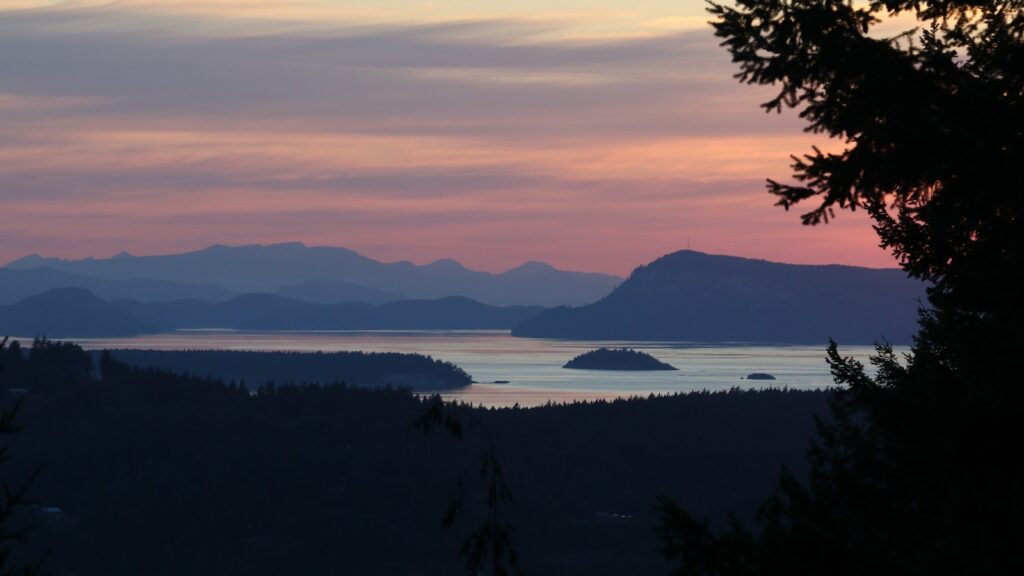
491	139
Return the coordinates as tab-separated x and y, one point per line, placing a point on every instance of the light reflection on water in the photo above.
533	367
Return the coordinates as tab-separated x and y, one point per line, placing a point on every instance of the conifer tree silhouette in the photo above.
914	471
490	548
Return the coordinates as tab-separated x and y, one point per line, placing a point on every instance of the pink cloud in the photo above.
401	141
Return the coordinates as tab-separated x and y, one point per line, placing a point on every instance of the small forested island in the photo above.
617	359
760	376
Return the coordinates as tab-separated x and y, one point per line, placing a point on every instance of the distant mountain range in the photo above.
76	312
682	296
694	296
315	274
17	284
70	312
336	291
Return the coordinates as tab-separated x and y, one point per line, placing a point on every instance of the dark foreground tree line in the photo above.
149	472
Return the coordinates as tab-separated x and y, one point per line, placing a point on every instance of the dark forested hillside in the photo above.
689	295
147	472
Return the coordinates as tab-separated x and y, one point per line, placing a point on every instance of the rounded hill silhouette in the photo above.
617	359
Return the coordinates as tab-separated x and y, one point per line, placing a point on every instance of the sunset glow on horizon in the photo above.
490	132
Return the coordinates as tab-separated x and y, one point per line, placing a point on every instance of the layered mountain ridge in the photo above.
275	267
683	296
78	313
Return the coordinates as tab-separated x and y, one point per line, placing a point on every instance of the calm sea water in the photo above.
533	367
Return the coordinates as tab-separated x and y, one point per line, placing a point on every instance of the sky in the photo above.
594	135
